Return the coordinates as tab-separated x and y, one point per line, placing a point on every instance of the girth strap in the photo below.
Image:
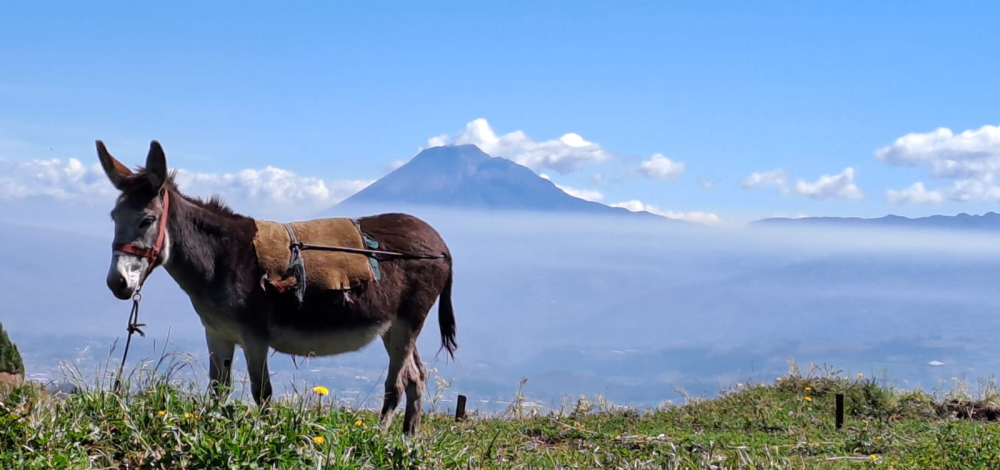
296	265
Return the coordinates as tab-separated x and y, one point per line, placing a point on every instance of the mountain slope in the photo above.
989	221
463	176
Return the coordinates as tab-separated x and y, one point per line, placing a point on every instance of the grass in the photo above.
785	424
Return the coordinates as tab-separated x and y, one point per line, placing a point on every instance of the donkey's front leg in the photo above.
255	351
220	361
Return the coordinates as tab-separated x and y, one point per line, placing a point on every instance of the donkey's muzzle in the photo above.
119	286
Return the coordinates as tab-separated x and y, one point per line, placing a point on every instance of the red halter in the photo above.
152	253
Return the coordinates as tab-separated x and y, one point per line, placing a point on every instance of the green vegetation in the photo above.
785	424
10	358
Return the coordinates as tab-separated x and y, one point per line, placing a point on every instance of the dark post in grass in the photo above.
840	410
460	409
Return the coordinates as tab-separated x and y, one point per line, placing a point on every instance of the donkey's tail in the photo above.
446	316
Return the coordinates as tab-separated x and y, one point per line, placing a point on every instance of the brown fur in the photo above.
212	258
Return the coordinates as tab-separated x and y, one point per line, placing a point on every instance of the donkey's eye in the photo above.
145	222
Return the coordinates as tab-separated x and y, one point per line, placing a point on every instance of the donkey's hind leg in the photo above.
415	378
398	342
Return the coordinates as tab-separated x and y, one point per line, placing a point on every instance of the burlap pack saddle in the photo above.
288	269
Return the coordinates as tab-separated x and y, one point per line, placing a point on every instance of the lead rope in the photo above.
152	254
132	327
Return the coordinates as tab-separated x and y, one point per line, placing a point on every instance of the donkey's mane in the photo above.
139	182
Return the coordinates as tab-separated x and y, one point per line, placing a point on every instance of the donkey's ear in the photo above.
116	172
156	165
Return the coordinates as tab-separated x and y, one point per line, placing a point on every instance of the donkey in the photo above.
207	248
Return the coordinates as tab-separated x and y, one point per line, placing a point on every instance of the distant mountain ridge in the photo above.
989	221
463	176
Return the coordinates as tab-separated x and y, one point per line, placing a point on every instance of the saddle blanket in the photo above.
325	270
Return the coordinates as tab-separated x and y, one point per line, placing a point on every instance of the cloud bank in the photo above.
915	194
587	194
270	185
970	160
567	154
662	168
62	180
71	180
696	217
838	186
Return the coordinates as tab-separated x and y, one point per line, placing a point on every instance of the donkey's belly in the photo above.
306	343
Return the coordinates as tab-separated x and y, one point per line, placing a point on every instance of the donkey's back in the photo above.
333	321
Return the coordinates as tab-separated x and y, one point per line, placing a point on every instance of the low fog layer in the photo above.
584	305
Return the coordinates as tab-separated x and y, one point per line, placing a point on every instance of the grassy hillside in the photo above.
785	424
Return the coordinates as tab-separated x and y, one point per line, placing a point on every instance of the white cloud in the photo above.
706	184
662	168
63	180
840	185
982	189
271	185
971	160
566	154
915	194
587	194
71	180
972	153
439	140
697	217
757	179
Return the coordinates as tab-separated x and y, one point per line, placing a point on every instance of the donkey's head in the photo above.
140	214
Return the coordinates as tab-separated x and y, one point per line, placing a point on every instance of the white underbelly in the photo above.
304	343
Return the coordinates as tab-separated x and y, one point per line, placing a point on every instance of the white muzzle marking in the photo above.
129	267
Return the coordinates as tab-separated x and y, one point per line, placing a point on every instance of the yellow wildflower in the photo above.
189	415
359	423
319	440
808	388
161	413
809	398
873	456
321	390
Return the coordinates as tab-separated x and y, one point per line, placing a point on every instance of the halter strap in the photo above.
153	254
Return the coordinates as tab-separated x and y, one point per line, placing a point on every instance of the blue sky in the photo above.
337	92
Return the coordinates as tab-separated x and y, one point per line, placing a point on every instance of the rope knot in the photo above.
134	328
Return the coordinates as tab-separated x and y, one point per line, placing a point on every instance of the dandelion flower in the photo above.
873	456
188	415
359	423
321	390
808	388
319	440
809	398
860	376
161	413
